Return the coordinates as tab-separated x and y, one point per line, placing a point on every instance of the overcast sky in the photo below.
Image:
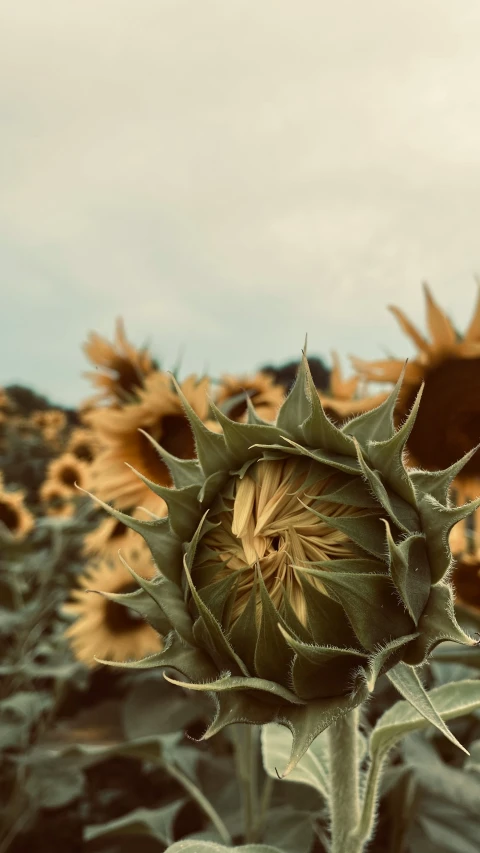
230	175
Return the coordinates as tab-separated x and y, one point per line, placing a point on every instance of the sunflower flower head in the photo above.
110	536
466	580
67	472
16	521
102	627
56	499
126	436
265	395
121	368
448	362
50	422
298	562
347	397
83	444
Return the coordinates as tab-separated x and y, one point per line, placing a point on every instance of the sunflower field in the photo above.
243	612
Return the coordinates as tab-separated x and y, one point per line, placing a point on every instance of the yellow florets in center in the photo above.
269	524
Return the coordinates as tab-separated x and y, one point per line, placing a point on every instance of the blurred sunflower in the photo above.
15	518
67	471
159	413
6	405
264	393
104	628
466	580
56	499
347	397
449	364
50	422
83	444
121	368
110	536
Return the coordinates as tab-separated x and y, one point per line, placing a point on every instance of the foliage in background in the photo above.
98	759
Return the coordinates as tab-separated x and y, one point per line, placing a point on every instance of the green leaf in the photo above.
209	632
296	408
241	707
387	457
227	683
322	671
318	430
370	604
410	571
377	424
450	653
437	483
160	602
313	767
436	624
18	713
347	464
327	620
241	439
52	784
449	701
185	472
311	770
408	684
152	707
165	547
243	635
183	505
439	520
351	491
290	829
273	656
443	828
386	655
212	452
447	783
156	823
307	722
367	530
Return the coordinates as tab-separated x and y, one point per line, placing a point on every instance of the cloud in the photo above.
229	176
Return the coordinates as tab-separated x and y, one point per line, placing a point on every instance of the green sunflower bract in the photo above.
298	562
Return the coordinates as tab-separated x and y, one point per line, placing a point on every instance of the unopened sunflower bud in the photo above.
299	561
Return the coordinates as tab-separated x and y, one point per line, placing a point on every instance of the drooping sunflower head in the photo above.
261	389
15	519
124	435
121	368
448	362
102	627
299	561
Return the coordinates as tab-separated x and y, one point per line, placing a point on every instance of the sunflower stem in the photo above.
246	739
201	801
265	799
344	784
